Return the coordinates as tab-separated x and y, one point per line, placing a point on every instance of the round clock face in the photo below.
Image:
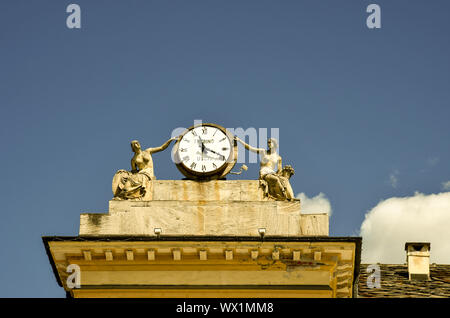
204	149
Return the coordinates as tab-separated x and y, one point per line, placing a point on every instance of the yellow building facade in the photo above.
206	267
204	238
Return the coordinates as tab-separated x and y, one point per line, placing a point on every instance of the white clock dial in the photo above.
204	149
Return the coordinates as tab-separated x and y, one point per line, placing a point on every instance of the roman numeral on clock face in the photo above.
193	165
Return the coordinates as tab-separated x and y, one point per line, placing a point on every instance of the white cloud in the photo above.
446	185
317	204
419	218
393	179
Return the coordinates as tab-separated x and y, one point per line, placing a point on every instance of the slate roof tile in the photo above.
395	283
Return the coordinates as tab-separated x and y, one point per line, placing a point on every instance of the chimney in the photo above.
418	260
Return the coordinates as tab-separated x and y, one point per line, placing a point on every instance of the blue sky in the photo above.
355	107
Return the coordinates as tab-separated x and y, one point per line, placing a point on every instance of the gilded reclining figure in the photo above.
137	183
276	184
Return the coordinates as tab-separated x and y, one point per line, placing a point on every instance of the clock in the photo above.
205	152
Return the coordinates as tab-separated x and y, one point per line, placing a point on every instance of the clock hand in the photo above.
210	150
203	146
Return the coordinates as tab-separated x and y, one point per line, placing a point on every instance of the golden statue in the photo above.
275	182
137	183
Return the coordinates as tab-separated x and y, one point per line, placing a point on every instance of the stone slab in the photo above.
196	218
219	207
216	190
314	224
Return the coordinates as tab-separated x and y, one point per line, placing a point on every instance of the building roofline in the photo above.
199	238
45	240
214	238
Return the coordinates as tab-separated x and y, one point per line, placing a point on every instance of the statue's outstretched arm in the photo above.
250	148
162	147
